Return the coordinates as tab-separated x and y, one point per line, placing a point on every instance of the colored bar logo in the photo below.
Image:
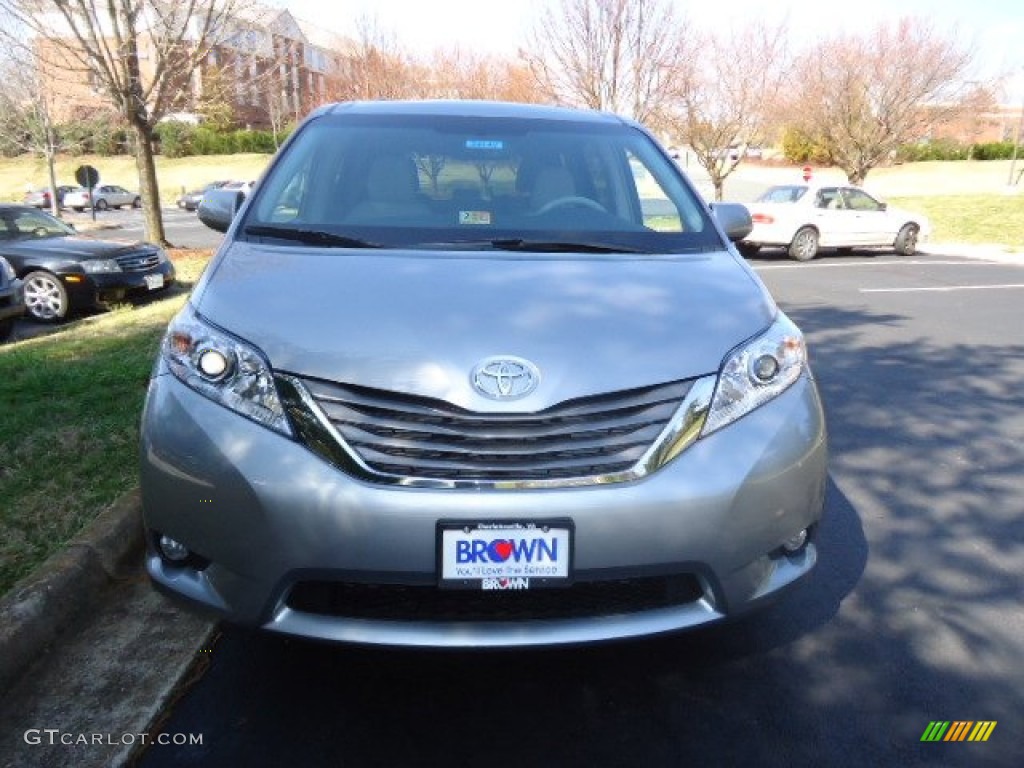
958	730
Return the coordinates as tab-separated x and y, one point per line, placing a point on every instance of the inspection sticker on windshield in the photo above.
474	217
505	555
154	281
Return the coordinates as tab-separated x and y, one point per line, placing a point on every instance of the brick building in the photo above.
269	68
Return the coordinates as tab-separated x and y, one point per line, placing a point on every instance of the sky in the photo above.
996	27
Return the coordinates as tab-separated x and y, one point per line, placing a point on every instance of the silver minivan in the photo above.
472	374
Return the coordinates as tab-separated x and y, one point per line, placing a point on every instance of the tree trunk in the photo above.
719	183
52	171
149	189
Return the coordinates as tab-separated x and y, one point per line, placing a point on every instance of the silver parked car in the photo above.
103	197
461	375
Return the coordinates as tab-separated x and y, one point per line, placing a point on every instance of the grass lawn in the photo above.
71	403
172	174
971	218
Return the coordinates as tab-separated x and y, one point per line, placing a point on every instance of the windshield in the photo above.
18	223
429	181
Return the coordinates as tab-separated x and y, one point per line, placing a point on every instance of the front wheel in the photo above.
906	240
137	202
805	244
46	299
101	204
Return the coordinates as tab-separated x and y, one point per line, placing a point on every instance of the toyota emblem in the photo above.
505	378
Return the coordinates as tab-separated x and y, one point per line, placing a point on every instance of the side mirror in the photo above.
733	218
219	207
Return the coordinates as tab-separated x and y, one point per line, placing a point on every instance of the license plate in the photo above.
505	555
154	281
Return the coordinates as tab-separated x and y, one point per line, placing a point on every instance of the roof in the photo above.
472	108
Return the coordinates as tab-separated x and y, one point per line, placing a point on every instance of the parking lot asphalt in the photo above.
113	653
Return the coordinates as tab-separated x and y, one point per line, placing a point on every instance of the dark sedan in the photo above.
63	270
12	298
190	200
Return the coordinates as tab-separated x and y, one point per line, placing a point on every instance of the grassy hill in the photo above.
172	174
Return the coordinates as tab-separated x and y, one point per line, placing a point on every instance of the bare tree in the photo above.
455	73
864	96
139	53
615	55
727	94
26	119
376	66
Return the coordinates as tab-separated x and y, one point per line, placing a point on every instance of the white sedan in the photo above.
806	217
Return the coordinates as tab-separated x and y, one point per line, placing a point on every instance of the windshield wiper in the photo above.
310	236
561	246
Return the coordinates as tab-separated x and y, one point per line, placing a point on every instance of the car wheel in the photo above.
805	244
748	249
137	202
78	208
45	297
6	327
906	240
101	204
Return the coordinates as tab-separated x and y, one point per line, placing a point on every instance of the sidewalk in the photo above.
90	653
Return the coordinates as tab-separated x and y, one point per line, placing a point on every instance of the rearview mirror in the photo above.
219	206
733	218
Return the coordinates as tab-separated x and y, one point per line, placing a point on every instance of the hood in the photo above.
75	247
418	323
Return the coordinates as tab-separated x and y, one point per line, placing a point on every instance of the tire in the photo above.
78	208
101	205
748	249
805	244
906	240
46	299
137	202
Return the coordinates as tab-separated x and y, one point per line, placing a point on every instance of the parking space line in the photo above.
890	263
944	288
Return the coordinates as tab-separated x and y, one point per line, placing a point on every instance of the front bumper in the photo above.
90	290
263	515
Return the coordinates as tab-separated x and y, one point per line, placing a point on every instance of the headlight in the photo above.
224	369
100	266
7	269
757	372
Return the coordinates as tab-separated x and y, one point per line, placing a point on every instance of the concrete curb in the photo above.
45	603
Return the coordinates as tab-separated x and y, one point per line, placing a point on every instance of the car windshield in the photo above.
17	223
783	194
445	181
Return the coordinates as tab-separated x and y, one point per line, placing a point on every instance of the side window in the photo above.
861	201
658	211
829	198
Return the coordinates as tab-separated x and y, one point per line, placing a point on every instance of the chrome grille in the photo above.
414	437
137	262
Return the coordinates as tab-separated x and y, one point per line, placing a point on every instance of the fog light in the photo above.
173	550
793	543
